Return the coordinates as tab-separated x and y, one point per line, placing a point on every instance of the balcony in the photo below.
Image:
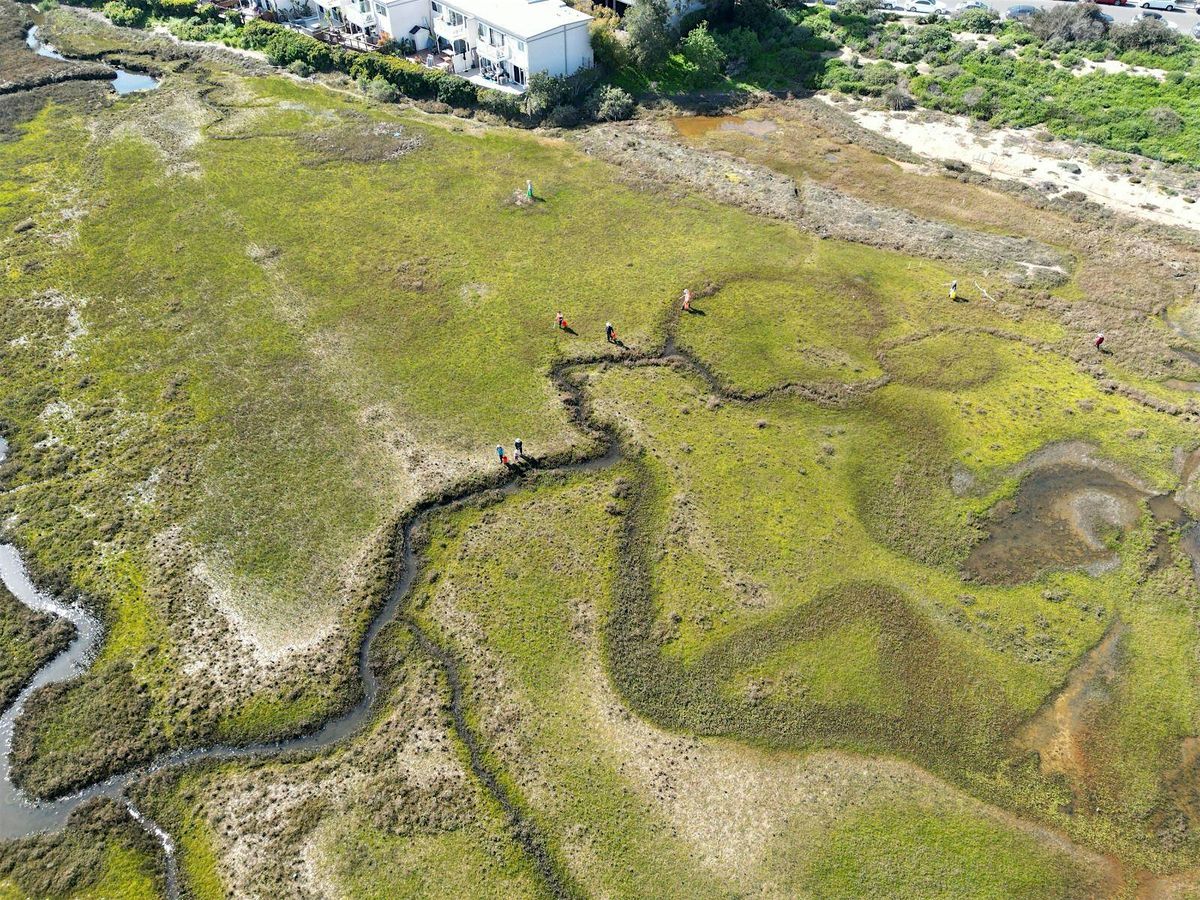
447	31
494	52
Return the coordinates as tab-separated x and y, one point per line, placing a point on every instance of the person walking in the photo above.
954	290
500	454
1099	341
610	333
529	189
687	299
561	321
519	450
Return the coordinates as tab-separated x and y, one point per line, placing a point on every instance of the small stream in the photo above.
125	82
20	816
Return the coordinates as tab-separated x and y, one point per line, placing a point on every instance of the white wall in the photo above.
561	52
403	15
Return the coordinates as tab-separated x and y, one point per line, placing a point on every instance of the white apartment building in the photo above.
494	43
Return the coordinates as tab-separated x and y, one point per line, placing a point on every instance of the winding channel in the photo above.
123	82
21	816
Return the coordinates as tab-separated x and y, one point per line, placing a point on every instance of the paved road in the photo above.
1184	20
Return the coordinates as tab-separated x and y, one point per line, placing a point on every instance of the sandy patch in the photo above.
1012	154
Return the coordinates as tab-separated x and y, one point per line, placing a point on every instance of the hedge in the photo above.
283	46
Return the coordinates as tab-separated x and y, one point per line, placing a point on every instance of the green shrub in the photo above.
649	34
175	9
301	68
409	78
702	51
380	90
565	115
979	21
499	103
456	92
545	92
880	75
284	46
120	13
607	48
740	44
610	103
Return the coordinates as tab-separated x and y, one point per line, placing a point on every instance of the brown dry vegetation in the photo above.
1125	273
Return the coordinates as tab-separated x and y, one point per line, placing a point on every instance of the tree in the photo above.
701	50
1152	35
1081	23
648	27
546	92
607	48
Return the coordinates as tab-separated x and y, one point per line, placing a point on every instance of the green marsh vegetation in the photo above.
102	854
28	640
326	311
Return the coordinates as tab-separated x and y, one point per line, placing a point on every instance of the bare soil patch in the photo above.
1062	517
360	143
649	154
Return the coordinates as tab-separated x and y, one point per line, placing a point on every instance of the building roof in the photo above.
522	18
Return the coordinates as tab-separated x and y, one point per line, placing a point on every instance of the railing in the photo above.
444	29
496	52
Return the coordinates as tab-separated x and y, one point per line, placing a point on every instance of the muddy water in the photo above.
1062	518
125	82
1059	730
698	126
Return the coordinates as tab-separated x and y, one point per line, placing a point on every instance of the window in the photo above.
518	75
381	9
520	46
482	31
437	8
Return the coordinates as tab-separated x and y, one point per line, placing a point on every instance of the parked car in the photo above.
1106	17
1020	12
1147	15
1163	5
1196	32
973	4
